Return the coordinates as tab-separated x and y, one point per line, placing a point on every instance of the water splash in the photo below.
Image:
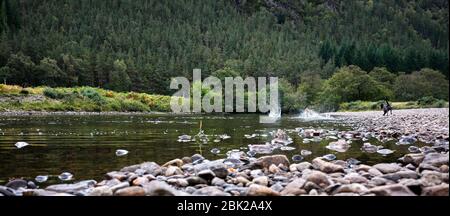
273	116
311	115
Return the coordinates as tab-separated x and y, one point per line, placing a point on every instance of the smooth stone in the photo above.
217	182
72	188
178	182
351	188
400	175
326	166
139	181
414	159
207	174
186	160
173	170
363	167
262	180
121	176
294	188
40	192
277	187
303	166
414	185
355	178
436	159
101	191
6	191
31	185
158	188
266	161
151	168
241	179
256	173
130	191
443	168
410	166
220	170
175	162
274	169
196	158
319	178
210	191
120	186
437	190
17	183
375	172
392	190
195	180
310	186
131	168
378	181
313	192
432	178
346	194
259	190
387	167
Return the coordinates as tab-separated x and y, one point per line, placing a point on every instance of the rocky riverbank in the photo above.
422	173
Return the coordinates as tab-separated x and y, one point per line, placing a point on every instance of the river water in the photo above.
85	145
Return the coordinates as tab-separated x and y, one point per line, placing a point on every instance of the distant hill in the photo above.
139	44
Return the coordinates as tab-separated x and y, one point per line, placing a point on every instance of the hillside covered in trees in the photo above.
326	51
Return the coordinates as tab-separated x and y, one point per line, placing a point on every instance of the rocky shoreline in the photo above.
423	173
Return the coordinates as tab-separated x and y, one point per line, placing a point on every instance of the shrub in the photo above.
53	93
93	95
427	100
133	106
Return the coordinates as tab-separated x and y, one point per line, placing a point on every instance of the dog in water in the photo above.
386	107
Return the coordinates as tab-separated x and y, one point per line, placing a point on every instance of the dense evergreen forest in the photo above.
316	46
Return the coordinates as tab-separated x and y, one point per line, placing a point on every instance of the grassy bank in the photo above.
426	102
16	98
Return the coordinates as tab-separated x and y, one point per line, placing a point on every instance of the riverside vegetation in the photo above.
89	99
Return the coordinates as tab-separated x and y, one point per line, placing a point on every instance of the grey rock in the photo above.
206	174
326	166
101	191
294	188
262	180
400	175
120	186
210	191
173	170
72	188
151	168
392	190
158	188
387	167
351	188
17	183
319	178
437	190
259	190
130	191
217	182
195	180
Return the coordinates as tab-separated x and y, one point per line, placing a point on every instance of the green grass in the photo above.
16	98
368	105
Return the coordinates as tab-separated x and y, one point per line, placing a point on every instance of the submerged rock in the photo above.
20	145
339	146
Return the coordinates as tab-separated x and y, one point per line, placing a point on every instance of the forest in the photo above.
326	52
